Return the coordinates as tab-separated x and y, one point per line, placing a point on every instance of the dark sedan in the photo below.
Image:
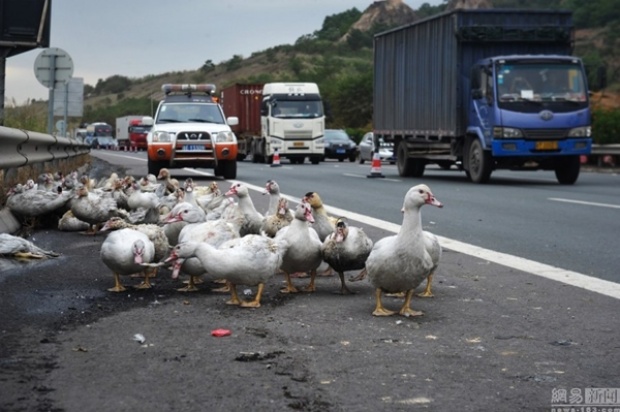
338	145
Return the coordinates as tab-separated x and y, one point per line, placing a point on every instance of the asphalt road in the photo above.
493	338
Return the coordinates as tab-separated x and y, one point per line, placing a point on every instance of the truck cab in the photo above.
526	108
190	130
292	123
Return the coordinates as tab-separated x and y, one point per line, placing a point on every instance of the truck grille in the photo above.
298	134
193	145
545	134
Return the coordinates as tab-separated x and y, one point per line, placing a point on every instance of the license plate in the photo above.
546	145
192	147
339	151
298	144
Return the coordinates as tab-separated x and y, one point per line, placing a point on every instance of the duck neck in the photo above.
412	222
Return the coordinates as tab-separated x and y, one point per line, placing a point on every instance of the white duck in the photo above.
304	251
273	190
323	223
212	232
69	223
94	209
251	260
125	252
282	218
401	262
18	247
253	219
35	203
346	249
181	215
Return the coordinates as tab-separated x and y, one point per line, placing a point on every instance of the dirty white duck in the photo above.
346	249
181	215
35	203
273	190
125	252
69	223
94	209
251	261
18	247
253	219
170	184
324	224
304	247
401	262
212	232
281	218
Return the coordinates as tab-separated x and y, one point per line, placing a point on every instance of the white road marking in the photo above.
581	202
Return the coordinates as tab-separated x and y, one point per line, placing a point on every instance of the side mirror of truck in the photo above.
476	94
232	121
147	120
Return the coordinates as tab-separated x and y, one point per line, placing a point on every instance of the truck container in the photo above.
131	131
447	91
244	101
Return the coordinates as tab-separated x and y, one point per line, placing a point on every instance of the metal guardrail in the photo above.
21	147
606	149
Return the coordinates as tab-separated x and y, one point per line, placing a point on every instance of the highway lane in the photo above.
519	214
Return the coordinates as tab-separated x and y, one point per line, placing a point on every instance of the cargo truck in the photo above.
485	90
283	117
190	130
131	131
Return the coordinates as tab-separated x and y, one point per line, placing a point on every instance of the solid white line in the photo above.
581	202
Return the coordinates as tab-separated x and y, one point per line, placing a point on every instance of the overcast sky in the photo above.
135	38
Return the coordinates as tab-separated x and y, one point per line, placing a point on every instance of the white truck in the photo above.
292	123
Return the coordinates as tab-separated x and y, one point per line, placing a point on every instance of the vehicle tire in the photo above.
315	160
352	158
155	166
361	160
227	169
567	169
480	162
408	166
341	159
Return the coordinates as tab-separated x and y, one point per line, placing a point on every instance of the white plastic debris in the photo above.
138	337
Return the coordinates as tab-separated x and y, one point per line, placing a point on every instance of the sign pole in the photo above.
50	104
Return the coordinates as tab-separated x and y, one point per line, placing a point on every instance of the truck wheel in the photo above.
315	160
227	169
155	166
567	169
408	166
480	162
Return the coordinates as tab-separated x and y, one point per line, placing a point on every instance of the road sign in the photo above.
53	65
74	101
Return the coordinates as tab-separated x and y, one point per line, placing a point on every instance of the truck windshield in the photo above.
288	109
189	112
521	82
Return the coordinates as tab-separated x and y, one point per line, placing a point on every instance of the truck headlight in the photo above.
585	131
507	133
162	136
225	137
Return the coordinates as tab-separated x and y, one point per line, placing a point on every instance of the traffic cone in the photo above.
375	170
276	159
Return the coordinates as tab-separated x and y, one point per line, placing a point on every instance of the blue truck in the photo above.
483	90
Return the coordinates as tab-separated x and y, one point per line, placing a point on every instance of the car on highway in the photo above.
367	149
338	145
104	142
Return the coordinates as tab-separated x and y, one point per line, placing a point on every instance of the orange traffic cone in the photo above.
375	170
276	159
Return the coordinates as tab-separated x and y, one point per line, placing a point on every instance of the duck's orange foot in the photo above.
119	288
188	288
251	304
233	302
426	294
223	289
408	312
289	289
310	288
383	312
143	285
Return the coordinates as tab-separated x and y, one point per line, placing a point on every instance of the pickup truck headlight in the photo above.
162	136
507	133
585	131
225	137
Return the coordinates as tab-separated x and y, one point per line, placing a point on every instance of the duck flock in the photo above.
201	232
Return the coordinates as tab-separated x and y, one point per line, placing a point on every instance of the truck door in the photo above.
483	102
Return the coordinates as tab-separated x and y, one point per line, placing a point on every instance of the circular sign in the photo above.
60	125
53	65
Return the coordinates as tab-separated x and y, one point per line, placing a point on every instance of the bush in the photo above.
606	126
